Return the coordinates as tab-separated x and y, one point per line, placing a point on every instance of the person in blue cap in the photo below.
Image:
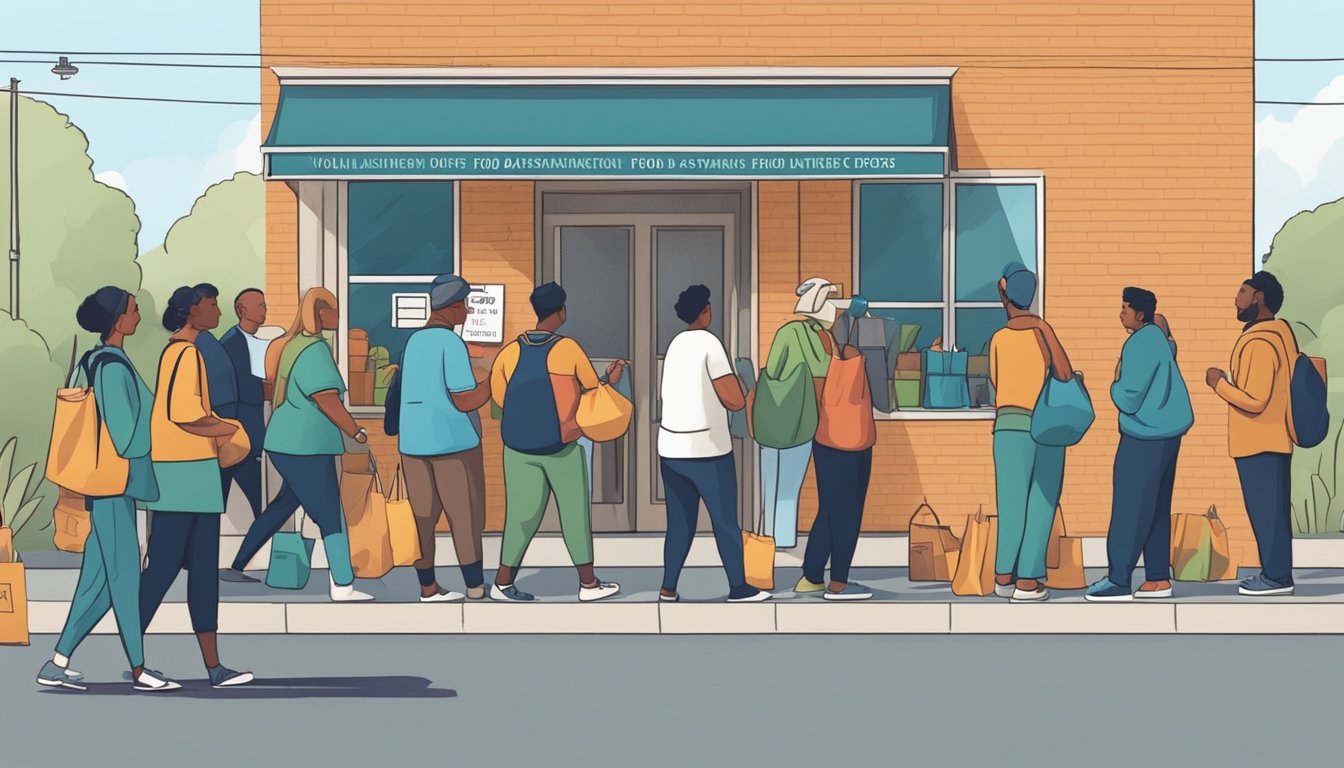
440	447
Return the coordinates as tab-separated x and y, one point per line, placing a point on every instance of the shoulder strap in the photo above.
1045	351
172	378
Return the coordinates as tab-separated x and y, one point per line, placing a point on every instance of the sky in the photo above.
165	155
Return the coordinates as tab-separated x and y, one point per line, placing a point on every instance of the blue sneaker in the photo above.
223	677
1261	585
509	594
1107	591
52	676
852	591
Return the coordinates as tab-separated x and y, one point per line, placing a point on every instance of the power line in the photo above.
1304	103
140	98
137	64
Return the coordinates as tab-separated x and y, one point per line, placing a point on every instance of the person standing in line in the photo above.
1155	413
247	358
185	434
695	449
536	382
304	440
1257	394
109	577
440	449
1028	476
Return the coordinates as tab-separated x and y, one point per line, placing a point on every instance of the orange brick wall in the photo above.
1148	173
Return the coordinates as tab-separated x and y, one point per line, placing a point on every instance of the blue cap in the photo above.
1020	285
447	290
547	299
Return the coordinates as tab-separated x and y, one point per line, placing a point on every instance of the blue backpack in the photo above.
530	423
1310	418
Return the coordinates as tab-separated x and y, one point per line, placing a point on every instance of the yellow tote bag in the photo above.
758	555
81	456
975	567
401	523
603	414
365	510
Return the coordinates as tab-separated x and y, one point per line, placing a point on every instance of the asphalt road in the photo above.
705	702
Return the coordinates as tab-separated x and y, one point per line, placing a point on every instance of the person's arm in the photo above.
1138	369
329	403
186	401
994	363
781	355
119	403
1259	361
727	387
460	381
317	378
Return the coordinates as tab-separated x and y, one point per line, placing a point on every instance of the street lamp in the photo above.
65	70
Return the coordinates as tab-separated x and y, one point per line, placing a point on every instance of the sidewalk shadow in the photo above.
285	688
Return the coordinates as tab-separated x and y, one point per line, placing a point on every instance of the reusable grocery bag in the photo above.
975	567
737	420
365	510
1064	557
934	549
1063	412
784	410
845	416
71	522
291	561
401	523
13	591
603	414
945	381
1200	549
758	555
81	456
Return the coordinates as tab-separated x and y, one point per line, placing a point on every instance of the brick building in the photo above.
903	150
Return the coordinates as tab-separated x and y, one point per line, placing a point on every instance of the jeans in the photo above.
685	483
1028	479
782	474
183	541
1142	483
109	578
1266	485
310	481
842	488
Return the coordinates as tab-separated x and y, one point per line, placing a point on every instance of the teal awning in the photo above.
805	128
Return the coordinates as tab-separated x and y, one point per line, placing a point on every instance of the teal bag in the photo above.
291	561
784	410
946	384
1063	412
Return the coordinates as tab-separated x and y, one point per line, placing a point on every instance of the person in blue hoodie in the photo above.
1155	413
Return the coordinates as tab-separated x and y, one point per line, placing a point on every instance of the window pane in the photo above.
400	228
370	310
595	273
976	326
686	258
930	322
901	242
996	224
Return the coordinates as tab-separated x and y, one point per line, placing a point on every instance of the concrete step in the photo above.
899	607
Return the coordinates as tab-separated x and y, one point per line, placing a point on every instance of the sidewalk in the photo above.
898	607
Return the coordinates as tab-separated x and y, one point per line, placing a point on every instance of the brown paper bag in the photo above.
934	549
13	596
758	554
365	510
71	522
402	531
1064	557
6	545
975	566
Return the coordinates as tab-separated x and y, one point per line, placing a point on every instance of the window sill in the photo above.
922	414
366	411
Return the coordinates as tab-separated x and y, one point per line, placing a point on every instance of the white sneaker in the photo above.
444	596
348	594
602	591
149	683
1022	596
1004	590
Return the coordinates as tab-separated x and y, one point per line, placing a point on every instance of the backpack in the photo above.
81	457
1308	416
531	423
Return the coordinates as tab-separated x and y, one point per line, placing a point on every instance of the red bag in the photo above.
845	416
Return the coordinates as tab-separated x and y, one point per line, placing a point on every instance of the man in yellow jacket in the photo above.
1257	427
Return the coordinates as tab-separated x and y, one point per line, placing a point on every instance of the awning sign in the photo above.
485	319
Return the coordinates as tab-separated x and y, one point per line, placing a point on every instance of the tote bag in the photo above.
401	523
934	549
979	546
81	456
845	417
784	410
291	561
365	510
603	414
1063	412
1064	557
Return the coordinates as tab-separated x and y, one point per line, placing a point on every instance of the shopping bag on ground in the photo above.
603	414
291	561
365	510
1064	557
1200	549
934	549
71	522
13	591
975	567
758	555
401	523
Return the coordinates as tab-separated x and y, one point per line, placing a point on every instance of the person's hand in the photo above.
1212	376
615	370
362	437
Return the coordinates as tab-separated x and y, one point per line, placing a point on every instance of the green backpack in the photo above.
784	413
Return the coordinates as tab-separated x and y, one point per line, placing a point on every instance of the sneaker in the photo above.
806	587
223	677
476	593
1261	585
130	678
443	596
748	594
1023	596
852	591
1145	593
52	676
348	594
509	594
672	598
1107	591
602	591
153	682
236	577
1004	590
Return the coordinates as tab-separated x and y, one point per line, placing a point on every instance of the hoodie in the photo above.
1150	394
1257	420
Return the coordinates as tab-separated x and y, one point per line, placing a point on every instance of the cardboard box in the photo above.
909	361
361	387
977	365
358	343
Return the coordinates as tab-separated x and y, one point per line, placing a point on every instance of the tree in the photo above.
30	382
1308	259
77	234
222	242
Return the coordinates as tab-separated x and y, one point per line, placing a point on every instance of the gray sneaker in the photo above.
52	676
152	682
510	594
223	677
236	577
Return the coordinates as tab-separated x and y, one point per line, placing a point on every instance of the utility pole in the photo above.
14	198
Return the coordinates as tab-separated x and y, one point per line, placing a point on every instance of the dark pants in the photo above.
842	488
1142	482
1266	485
181	541
310	481
686	482
247	473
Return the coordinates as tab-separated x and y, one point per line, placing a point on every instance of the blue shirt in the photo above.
1150	394
436	365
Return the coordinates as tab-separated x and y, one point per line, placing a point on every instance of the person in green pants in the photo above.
536	381
109	577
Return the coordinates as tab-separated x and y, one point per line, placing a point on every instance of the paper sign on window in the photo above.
485	321
410	310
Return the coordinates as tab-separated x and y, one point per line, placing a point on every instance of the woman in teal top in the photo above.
110	575
303	440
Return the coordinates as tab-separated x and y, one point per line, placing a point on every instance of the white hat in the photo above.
812	295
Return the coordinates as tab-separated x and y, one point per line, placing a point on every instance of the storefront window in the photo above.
399	237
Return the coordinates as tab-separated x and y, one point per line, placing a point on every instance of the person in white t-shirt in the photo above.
695	449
